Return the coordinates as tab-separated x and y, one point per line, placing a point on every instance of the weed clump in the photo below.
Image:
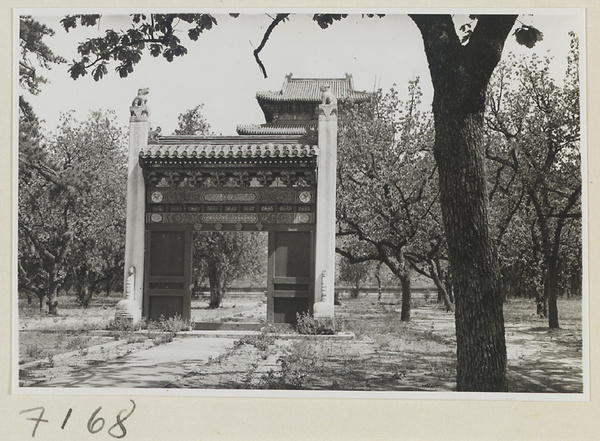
122	327
308	325
298	363
34	351
124	324
164	330
260	341
78	342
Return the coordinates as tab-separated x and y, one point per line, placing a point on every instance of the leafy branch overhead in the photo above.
32	46
156	33
159	35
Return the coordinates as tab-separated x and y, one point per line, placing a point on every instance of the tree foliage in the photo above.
385	152
71	208
157	34
535	142
193	122
354	273
222	256
34	52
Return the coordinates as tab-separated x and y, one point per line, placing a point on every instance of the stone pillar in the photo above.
326	188
139	126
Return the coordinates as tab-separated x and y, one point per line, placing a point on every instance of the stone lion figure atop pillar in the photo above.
328	101
138	106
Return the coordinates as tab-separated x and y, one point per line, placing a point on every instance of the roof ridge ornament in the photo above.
138	109
328	104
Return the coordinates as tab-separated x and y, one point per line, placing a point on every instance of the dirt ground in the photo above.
388	355
385	355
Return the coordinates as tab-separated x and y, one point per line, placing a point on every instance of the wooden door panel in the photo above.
168	278
290	285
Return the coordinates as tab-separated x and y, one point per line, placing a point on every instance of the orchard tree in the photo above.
97	147
460	68
540	125
355	273
34	54
71	220
223	256
385	152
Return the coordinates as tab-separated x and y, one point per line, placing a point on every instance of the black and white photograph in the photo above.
299	223
307	204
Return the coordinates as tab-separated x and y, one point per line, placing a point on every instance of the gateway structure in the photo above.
268	178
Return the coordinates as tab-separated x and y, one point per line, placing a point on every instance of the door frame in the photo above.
272	279
185	291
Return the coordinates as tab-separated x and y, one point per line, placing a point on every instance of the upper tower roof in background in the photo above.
309	90
293	109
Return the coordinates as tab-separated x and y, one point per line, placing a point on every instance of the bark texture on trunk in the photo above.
460	74
406	295
552	292
217	288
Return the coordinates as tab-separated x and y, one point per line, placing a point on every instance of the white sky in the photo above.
219	69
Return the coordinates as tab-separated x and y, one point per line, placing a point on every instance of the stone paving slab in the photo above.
152	368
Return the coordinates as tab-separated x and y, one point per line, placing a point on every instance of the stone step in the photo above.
227	326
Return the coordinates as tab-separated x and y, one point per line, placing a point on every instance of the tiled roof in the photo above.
228	151
274	129
309	89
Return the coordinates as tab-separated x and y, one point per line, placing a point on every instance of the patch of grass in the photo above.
34	351
36	345
123	328
308	325
171	324
260	341
78	342
277	328
298	362
124	324
164	330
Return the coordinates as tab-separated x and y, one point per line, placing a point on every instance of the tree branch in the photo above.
278	19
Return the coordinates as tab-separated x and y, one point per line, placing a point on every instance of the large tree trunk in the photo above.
406	295
481	348
460	75
552	291
217	288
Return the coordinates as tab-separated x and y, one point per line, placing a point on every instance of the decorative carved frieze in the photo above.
230	218
247	197
205	221
272	195
230	178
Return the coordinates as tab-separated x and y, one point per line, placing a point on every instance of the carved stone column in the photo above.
326	188
139	126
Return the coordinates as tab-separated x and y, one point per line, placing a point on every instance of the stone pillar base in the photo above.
322	310
128	309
